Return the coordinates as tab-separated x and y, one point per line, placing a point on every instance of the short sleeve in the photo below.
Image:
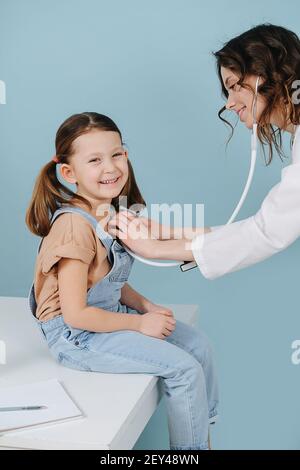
71	236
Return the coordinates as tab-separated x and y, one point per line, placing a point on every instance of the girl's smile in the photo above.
112	181
99	165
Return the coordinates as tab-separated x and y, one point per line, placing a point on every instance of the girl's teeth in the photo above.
109	181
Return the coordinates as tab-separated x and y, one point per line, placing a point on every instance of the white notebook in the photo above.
49	393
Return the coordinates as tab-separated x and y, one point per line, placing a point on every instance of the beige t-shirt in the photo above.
70	236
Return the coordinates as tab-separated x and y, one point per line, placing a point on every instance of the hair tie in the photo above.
55	159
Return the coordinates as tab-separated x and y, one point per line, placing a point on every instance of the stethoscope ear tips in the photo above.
257	83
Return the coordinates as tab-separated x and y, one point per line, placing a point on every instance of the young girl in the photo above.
89	315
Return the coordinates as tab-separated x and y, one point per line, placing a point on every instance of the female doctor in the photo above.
267	56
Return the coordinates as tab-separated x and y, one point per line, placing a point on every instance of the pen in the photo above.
22	408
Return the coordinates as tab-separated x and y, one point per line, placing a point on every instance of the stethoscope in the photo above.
186	266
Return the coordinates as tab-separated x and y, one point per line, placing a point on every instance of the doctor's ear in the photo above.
67	173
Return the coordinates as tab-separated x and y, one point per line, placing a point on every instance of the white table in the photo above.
117	406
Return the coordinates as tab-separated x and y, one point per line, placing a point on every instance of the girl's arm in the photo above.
72	279
133	299
76	312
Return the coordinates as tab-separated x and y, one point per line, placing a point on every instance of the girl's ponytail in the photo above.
48	194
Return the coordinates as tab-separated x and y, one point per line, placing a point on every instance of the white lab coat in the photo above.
272	229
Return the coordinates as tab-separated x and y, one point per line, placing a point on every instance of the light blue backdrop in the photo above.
148	65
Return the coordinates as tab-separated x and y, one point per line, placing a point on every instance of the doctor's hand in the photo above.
134	232
157	230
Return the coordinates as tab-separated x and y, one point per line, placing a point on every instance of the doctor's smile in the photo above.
240	96
240	112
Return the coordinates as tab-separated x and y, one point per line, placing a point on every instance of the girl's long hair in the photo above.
272	52
49	193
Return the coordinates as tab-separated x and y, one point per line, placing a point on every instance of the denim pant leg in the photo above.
194	341
127	351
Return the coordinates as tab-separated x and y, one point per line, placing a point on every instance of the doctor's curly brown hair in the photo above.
273	52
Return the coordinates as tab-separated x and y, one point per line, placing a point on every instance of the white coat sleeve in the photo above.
274	227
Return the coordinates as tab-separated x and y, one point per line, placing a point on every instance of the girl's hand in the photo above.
151	307
159	324
134	232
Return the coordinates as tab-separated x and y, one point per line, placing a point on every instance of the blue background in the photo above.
149	66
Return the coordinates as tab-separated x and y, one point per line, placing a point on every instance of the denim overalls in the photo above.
183	361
